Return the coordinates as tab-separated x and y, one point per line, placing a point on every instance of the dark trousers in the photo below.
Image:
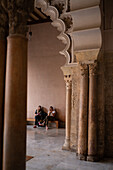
37	118
49	118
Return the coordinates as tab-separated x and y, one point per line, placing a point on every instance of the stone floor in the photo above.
46	148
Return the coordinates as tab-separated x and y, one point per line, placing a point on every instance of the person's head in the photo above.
51	108
39	108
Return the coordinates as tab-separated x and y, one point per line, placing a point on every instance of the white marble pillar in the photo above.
68	81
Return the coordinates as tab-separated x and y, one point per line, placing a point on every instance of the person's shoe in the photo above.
46	127
34	126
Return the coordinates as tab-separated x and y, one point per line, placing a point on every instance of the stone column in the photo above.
83	113
68	81
92	118
75	108
2	88
15	103
3	25
14	156
67	71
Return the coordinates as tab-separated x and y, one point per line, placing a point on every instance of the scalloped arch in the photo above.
58	23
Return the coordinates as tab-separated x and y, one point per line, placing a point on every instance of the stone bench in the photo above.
31	121
56	122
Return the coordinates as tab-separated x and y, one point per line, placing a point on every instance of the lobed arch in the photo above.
58	23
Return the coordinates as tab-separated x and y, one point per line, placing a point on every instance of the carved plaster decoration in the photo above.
68	5
67	18
56	22
61	5
3	22
93	69
68	81
67	71
84	69
18	12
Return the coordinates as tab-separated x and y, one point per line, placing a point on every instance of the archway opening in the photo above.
46	85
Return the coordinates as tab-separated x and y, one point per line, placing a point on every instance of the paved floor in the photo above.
45	147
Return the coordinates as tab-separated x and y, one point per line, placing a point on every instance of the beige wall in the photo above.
46	85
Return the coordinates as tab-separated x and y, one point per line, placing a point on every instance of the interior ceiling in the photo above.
37	17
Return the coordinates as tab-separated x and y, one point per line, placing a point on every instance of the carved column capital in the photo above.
18	12
67	71
68	80
93	69
3	22
84	69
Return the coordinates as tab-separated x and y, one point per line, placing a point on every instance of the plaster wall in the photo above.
46	84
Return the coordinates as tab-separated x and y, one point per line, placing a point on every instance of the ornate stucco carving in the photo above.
67	18
3	22
18	12
67	71
93	69
87	55
56	22
68	80
84	69
61	5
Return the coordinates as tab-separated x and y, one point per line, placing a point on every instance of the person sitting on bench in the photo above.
39	115
50	116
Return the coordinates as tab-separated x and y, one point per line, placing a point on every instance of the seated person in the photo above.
39	115
50	116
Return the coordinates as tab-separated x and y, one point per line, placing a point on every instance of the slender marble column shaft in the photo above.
2	89
15	104
68	80
83	113
92	118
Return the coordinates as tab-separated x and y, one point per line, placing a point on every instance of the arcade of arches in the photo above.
86	29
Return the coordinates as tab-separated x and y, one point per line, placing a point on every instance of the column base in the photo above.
66	145
73	150
92	158
81	157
